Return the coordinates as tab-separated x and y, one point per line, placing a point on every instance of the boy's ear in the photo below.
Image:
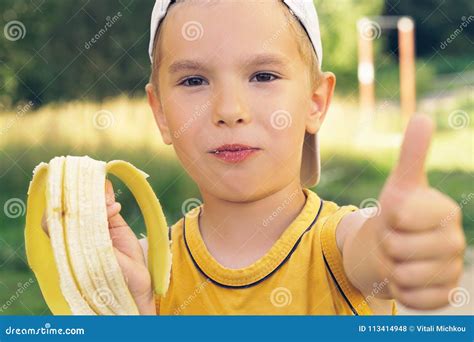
320	101
155	105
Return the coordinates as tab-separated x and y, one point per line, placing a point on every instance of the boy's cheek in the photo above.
286	142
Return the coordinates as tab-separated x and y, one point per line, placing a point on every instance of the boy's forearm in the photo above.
362	262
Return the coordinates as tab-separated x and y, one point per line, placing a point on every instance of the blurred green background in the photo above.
61	93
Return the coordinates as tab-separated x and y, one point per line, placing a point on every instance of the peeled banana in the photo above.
76	267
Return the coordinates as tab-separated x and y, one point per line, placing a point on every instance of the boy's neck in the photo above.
237	234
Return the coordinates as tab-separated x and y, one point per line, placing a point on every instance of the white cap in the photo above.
306	12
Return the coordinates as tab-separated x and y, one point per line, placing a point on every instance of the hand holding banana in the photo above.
128	252
90	261
420	239
129	255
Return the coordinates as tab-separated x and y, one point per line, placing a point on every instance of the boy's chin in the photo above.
234	190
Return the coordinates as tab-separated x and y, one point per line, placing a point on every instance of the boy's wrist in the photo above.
362	262
146	303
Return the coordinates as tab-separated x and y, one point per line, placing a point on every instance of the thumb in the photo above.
410	169
113	208
109	192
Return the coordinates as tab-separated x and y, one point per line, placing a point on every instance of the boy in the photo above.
237	89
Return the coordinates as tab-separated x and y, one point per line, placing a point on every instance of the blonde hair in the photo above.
305	49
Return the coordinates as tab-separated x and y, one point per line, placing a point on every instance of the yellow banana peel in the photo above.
75	265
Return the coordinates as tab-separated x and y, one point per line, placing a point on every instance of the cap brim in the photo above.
311	162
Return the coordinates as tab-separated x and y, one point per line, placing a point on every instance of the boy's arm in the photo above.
413	242
361	262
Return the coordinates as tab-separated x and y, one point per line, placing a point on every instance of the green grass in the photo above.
20	294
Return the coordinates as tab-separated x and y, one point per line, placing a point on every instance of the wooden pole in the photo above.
406	42
366	70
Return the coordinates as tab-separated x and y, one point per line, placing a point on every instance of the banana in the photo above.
55	215
84	221
76	266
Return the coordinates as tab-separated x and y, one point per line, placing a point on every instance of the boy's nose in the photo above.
229	109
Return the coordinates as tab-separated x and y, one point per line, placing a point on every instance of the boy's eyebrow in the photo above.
268	58
186	64
254	60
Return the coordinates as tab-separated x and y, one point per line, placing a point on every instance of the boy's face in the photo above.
231	73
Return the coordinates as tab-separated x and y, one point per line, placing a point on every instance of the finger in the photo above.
424	274
109	192
113	209
116	221
134	271
401	246
123	242
425	209
423	299
121	234
123	238
409	170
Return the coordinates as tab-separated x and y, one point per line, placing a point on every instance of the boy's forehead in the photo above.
227	29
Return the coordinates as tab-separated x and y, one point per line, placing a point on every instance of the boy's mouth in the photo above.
234	153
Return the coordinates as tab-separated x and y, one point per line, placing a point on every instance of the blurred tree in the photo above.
338	23
81	49
437	21
60	50
338	20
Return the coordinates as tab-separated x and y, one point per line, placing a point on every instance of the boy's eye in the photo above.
196	81
192	82
265	77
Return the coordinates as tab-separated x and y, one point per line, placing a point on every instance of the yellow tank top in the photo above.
302	274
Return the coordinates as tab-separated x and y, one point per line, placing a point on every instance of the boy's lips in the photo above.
233	147
234	153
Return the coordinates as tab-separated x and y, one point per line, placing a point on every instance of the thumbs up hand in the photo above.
418	230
